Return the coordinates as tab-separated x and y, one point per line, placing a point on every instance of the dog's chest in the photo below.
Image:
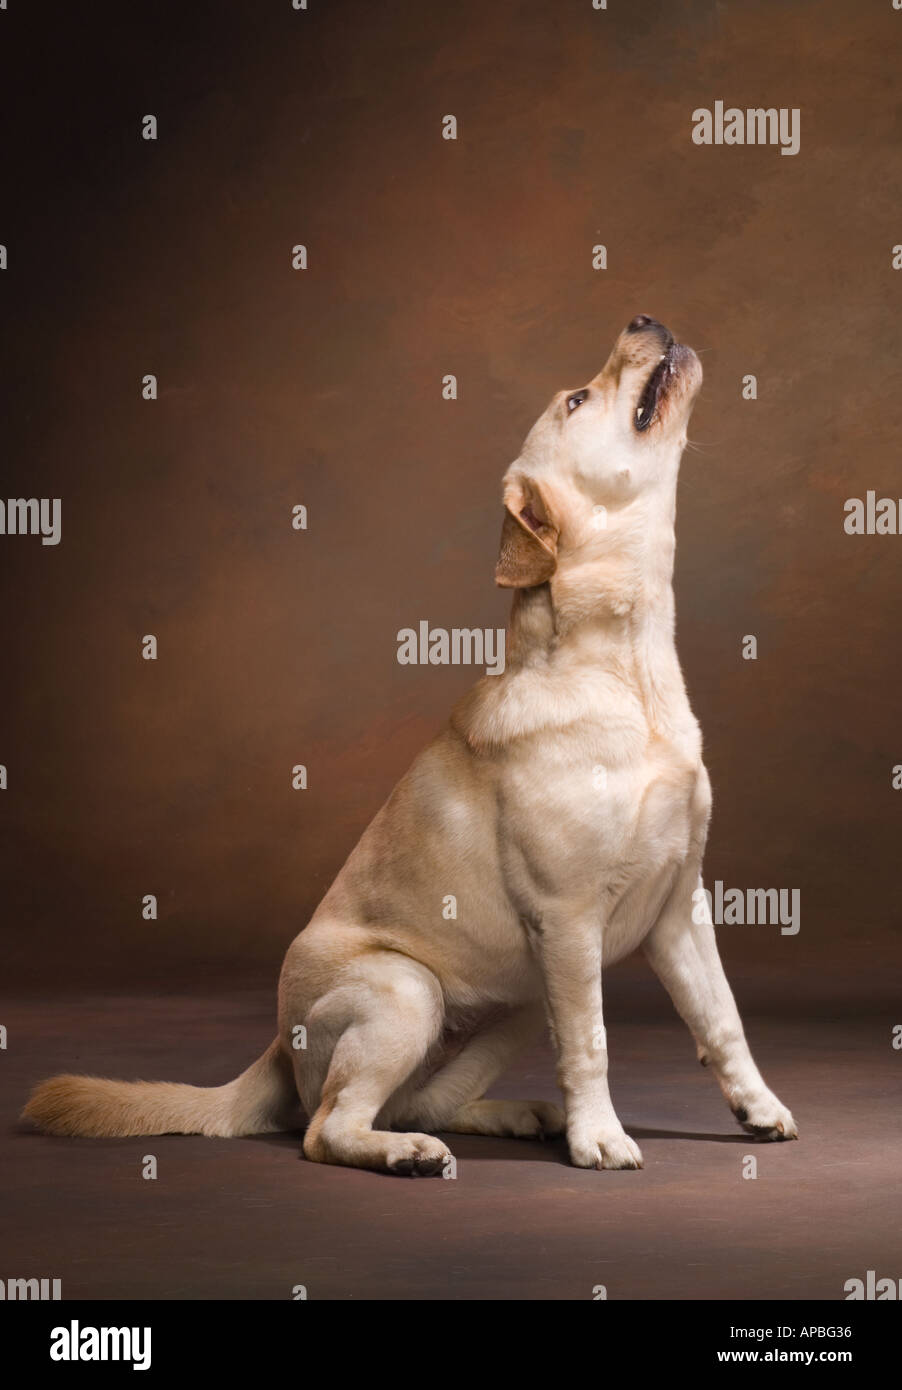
593	817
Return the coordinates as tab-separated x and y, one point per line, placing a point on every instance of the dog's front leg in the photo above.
682	949
570	952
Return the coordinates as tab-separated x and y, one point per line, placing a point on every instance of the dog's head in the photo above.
598	459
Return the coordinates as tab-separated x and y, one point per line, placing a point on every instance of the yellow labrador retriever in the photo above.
565	807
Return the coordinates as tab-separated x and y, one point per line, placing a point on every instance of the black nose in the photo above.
643	323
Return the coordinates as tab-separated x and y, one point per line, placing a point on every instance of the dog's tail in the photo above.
261	1100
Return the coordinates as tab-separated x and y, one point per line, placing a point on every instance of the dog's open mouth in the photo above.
655	390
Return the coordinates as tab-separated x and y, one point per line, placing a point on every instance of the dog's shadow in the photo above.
491	1148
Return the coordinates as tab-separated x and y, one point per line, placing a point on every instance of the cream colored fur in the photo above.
565	807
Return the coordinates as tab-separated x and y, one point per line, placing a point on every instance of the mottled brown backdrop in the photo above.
323	387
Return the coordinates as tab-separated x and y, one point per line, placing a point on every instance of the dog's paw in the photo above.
416	1155
766	1118
537	1118
518	1119
612	1149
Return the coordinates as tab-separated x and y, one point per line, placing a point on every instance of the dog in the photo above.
564	809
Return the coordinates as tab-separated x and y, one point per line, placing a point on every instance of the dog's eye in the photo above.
576	400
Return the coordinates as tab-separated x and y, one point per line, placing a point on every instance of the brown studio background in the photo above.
426	257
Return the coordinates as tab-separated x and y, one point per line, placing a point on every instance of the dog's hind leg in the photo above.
367	1035
452	1099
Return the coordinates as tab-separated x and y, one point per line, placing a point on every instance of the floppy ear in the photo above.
528	553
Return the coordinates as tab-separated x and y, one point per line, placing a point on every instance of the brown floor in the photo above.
247	1218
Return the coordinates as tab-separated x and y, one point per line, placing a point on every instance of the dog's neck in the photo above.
602	626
